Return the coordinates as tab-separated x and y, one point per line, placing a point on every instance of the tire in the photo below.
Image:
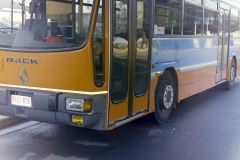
229	84
165	97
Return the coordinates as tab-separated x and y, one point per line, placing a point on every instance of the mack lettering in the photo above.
22	60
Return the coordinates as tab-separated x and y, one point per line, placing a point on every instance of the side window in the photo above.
210	22
193	19
234	23
98	48
211	19
168	19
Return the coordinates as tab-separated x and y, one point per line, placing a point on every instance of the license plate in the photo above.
21	100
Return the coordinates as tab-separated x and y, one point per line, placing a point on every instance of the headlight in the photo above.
78	105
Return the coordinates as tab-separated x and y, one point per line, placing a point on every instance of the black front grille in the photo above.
21	93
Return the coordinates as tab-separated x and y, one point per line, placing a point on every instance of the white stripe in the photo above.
153	75
54	90
198	66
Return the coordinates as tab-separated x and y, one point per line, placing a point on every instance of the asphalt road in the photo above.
203	127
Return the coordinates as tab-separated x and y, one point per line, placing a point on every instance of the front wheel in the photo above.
165	97
229	84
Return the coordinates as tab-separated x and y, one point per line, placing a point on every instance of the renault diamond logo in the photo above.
24	76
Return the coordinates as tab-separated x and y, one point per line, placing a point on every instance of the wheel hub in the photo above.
232	73
168	96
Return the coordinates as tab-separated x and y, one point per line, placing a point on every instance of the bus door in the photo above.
223	44
129	60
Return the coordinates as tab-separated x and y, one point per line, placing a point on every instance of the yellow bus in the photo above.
99	64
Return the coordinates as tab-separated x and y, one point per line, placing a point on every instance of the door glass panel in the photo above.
223	43
142	46
98	48
226	42
220	41
119	76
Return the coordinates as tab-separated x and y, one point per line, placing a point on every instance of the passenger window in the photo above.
193	19
234	23
168	17
211	18
210	23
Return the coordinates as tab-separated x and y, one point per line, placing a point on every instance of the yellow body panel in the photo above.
229	68
153	84
188	84
118	111
59	70
188	90
238	67
218	76
140	103
224	74
207	78
196	81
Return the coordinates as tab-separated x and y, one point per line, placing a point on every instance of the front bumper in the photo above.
50	107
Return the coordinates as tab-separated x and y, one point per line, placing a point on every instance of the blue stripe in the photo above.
182	52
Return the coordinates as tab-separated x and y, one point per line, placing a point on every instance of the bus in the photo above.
99	64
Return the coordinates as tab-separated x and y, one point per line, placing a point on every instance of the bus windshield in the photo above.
39	25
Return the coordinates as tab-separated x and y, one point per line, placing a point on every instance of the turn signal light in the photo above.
87	106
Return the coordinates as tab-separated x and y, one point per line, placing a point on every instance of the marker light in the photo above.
78	105
77	119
